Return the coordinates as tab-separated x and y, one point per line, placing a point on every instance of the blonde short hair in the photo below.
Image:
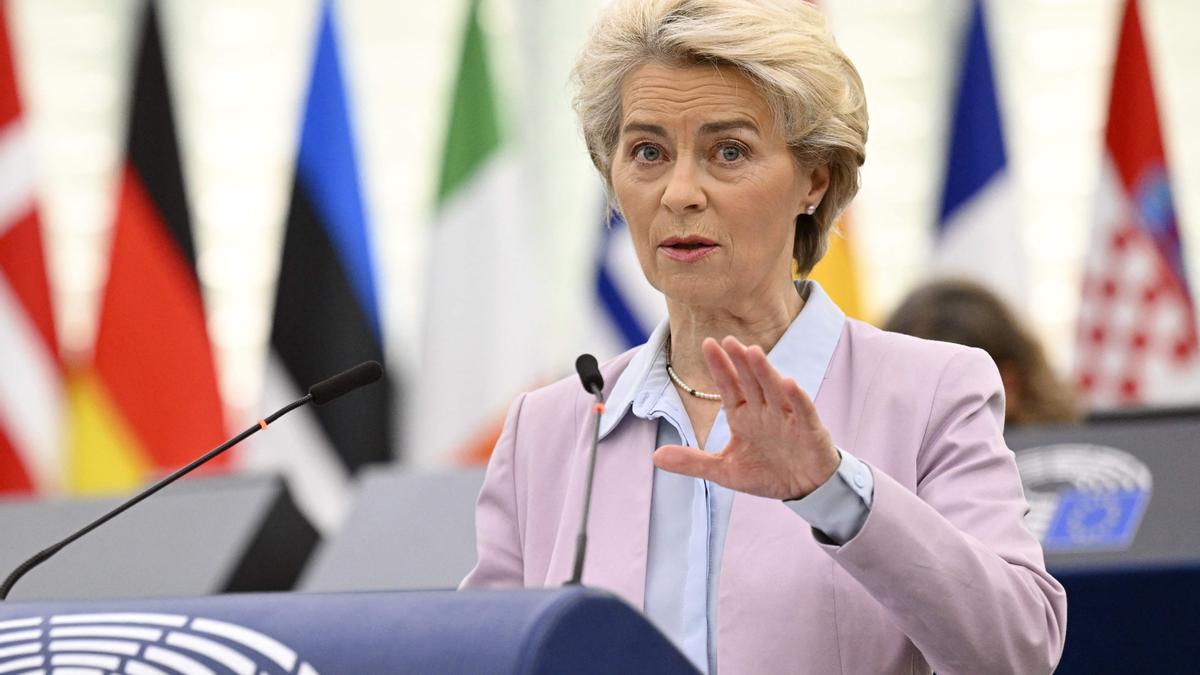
784	46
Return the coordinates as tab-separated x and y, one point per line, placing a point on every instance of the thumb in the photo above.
687	461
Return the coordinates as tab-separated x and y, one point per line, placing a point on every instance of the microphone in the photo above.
589	374
345	382
593	383
320	393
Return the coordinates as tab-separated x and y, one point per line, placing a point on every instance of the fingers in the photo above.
743	374
723	372
769	379
688	462
750	386
799	400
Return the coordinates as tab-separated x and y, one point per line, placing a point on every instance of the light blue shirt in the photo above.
689	517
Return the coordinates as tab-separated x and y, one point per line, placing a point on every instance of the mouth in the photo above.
687	249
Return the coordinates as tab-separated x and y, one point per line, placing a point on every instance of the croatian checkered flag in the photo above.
1137	327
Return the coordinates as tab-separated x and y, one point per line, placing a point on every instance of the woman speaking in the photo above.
778	487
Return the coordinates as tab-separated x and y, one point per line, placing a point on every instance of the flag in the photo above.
628	306
150	402
1137	340
482	335
977	234
30	371
837	271
326	315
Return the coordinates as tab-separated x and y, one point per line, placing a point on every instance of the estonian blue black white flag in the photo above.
326	308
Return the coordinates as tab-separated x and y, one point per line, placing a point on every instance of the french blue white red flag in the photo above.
978	229
1137	340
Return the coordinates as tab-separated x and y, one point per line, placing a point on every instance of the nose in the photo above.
684	193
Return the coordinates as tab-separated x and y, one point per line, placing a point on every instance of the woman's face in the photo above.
708	185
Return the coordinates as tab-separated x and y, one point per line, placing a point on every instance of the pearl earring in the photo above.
812	208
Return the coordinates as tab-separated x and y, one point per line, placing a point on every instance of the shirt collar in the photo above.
633	379
803	353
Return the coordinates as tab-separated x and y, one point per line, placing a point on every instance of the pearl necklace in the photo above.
684	385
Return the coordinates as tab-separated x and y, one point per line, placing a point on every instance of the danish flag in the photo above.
30	369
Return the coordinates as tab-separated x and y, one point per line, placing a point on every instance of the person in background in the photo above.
779	488
965	313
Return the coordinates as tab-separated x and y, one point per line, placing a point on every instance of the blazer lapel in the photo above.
619	522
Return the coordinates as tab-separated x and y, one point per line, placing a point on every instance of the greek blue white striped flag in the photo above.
628	307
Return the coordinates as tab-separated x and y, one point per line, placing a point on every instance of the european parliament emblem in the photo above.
141	643
1084	497
1095	520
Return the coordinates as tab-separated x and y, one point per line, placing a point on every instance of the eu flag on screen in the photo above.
1089	520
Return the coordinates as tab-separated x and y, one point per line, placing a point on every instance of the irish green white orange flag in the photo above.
481	340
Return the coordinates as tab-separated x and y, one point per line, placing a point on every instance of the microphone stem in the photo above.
41	556
581	539
279	413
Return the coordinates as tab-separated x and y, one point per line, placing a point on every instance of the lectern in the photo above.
1118	509
571	630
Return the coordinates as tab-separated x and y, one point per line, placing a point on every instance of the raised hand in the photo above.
778	447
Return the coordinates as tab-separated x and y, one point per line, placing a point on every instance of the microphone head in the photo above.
345	382
589	374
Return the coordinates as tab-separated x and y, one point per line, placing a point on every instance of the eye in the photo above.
730	153
647	153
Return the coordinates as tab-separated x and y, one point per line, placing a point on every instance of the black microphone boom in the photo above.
593	383
345	382
322	392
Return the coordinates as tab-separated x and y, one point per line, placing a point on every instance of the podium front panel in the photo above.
536	632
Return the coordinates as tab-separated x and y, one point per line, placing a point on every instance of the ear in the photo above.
818	180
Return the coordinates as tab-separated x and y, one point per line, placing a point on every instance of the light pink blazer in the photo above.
943	574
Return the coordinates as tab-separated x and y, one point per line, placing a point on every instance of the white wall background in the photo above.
239	68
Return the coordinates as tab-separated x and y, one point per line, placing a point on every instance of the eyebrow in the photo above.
705	129
730	125
644	128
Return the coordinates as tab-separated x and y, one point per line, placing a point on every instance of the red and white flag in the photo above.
1137	340
30	370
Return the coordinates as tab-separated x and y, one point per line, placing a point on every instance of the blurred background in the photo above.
476	253
208	206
